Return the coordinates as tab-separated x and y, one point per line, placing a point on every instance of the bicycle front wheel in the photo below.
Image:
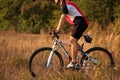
38	64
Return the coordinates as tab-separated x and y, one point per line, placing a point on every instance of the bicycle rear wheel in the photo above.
38	61
104	62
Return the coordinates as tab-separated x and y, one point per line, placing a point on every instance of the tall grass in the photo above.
15	50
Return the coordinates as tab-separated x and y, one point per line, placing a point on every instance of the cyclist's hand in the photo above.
54	33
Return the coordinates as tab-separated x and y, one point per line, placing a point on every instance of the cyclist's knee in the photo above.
73	40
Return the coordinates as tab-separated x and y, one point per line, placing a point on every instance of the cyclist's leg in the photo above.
74	51
77	32
74	48
78	29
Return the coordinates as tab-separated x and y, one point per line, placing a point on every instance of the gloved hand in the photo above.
54	33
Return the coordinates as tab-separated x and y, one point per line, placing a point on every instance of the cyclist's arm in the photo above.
61	21
63	16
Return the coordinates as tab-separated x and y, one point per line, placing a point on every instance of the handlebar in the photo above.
54	34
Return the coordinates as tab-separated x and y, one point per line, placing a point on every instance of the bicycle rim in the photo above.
38	68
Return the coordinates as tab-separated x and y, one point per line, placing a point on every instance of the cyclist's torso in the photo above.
72	11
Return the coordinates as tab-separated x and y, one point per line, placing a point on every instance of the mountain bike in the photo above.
47	61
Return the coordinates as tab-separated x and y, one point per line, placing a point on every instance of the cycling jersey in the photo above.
72	11
75	17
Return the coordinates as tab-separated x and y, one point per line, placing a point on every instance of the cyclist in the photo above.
74	16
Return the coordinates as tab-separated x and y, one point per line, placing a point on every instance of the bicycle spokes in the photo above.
96	62
45	64
90	62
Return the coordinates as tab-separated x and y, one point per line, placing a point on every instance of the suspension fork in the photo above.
51	54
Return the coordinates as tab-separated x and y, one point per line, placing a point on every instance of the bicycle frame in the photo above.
57	42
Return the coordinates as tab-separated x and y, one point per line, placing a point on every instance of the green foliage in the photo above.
10	11
34	15
25	15
101	11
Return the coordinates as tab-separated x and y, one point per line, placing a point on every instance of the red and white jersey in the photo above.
72	11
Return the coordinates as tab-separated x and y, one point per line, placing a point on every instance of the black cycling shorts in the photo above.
79	27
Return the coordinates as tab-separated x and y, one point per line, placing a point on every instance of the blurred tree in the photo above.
33	15
102	11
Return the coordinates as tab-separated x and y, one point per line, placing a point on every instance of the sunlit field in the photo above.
16	49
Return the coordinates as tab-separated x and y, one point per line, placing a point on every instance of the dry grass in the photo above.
15	50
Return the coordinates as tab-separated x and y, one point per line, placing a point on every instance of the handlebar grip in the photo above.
54	34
